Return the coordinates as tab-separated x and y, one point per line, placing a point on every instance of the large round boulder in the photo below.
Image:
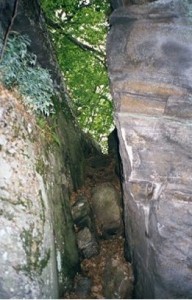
107	210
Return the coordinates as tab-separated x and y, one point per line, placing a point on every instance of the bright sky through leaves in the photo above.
79	31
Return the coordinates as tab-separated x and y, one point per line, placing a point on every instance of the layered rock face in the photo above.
150	67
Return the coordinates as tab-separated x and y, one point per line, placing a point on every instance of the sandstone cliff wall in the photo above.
150	67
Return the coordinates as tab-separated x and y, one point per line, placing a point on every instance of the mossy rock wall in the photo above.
38	247
41	163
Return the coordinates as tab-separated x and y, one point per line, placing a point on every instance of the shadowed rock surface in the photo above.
87	243
81	213
96	267
106	206
118	280
150	66
82	287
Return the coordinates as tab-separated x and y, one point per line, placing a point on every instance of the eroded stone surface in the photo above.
26	229
36	229
150	70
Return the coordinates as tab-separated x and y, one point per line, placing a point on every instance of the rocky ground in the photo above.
104	271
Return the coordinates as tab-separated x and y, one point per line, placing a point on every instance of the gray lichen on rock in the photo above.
34	210
35	262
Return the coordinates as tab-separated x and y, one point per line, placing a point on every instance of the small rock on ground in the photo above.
87	243
82	286
81	213
117	279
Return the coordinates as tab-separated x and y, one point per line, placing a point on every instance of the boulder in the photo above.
81	213
85	227
149	56
116	3
82	287
106	206
87	243
118	280
100	161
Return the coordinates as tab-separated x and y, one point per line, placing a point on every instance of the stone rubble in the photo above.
97	215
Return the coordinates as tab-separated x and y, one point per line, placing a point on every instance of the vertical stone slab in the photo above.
41	163
27	249
150	68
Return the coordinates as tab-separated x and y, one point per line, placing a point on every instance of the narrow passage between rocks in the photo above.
97	212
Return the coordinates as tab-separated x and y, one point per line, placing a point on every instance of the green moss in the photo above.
42	213
40	166
16	131
26	203
44	261
66	245
7	215
35	264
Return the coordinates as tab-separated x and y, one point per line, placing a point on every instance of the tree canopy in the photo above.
78	29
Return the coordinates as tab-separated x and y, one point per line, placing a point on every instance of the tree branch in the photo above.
14	14
82	45
98	54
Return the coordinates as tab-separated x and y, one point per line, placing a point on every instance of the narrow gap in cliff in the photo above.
97	207
97	211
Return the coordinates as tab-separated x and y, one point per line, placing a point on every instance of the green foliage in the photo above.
78	29
19	69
